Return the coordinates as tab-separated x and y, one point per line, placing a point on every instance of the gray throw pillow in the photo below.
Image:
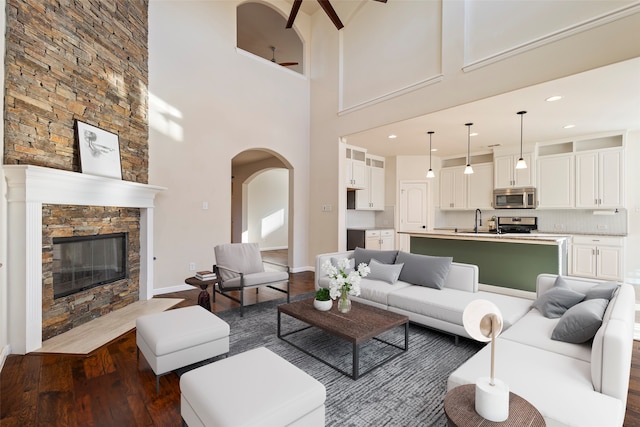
386	272
581	322
364	255
553	303
603	290
424	270
561	283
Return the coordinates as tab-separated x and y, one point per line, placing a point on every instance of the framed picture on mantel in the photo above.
99	151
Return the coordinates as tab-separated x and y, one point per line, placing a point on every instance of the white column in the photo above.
145	291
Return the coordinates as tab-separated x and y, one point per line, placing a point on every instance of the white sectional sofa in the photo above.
579	385
434	308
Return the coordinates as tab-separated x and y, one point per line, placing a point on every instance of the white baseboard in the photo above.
168	290
301	269
507	291
274	248
6	351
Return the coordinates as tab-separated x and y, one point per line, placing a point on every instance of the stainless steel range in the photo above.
517	224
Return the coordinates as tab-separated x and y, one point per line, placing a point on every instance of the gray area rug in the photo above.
407	391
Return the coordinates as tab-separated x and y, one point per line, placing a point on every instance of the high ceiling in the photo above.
602	100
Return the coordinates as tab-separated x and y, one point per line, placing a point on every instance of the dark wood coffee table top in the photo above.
460	402
362	323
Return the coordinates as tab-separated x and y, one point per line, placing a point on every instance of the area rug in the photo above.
407	391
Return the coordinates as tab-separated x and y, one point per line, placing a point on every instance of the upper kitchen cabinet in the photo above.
453	188
372	196
460	191
555	181
506	175
480	187
356	167
600	174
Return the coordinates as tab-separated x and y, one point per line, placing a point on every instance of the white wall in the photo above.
533	59
214	104
268	209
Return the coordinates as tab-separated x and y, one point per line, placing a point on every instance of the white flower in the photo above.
340	279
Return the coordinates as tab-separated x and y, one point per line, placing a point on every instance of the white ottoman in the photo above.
254	388
177	338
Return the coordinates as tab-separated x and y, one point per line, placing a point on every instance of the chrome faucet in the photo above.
476	223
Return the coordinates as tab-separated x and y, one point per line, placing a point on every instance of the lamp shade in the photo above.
479	317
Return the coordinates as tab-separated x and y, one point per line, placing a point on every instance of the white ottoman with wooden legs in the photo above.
256	388
180	337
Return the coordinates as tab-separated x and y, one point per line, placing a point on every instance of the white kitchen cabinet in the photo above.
356	167
599	257
599	178
380	239
453	189
556	181
506	175
460	191
480	187
372	197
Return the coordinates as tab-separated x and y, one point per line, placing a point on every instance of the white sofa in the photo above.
434	308
578	385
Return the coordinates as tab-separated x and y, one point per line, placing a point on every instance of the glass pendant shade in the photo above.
430	173
521	163
468	170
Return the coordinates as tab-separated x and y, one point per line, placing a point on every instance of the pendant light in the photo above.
430	173
468	170
521	163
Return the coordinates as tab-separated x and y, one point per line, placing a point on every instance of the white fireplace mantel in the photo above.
28	188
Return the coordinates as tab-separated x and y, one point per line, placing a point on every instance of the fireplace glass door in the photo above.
83	262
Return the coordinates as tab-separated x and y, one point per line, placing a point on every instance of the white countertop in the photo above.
540	238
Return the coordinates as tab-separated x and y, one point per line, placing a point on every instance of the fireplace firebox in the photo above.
84	262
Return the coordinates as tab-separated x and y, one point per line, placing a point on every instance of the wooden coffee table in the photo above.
361	324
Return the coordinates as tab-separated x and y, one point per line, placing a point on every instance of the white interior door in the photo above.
414	196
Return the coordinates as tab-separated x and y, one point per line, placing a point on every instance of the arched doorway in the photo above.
262	200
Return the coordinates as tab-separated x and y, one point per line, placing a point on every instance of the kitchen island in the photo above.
505	260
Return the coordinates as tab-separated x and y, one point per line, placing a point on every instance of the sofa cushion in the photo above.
580	323
424	270
535	330
603	290
378	291
556	301
386	272
364	255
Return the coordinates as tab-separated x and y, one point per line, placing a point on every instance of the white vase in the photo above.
322	305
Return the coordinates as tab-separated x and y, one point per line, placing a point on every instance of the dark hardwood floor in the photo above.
109	387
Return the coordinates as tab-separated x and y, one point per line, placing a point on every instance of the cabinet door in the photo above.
584	260
372	239
376	188
609	262
503	171
452	188
387	241
587	180
480	187
524	177
555	182
610	179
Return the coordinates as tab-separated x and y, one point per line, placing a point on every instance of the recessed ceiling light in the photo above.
434	149
473	134
568	126
553	98
392	136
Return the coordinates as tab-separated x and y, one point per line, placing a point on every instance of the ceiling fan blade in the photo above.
326	6
287	64
294	11
381	1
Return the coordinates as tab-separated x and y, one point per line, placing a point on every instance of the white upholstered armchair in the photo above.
240	266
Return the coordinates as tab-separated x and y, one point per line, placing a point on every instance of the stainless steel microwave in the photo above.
514	198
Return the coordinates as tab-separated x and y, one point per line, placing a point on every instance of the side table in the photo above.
203	297
459	406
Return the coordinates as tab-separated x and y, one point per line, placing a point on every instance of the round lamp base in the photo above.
492	401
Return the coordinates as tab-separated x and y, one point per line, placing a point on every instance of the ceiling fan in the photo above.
325	5
284	64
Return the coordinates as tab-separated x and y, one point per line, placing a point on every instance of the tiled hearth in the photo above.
28	188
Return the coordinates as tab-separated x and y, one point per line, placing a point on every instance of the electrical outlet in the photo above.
327	208
192	266
205	205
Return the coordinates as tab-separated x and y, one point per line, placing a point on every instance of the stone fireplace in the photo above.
29	188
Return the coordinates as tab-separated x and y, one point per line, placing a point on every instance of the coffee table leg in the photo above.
356	362
279	324
406	336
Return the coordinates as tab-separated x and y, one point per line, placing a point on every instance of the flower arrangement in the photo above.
344	280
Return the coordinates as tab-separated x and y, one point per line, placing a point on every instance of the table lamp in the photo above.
483	322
